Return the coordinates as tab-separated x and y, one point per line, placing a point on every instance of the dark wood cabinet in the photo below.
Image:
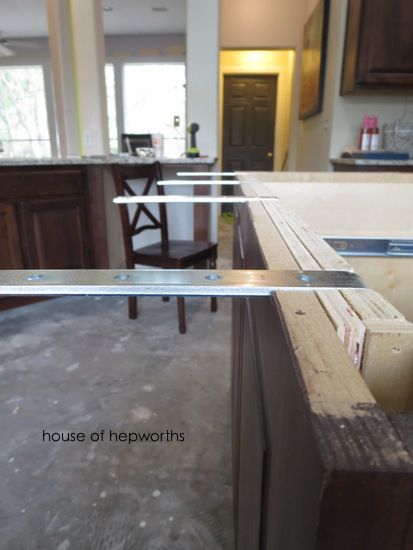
378	51
57	234
11	256
51	217
47	219
271	429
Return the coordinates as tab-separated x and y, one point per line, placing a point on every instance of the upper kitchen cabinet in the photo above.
378	51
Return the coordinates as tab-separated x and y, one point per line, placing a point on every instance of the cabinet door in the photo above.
379	45
57	234
10	245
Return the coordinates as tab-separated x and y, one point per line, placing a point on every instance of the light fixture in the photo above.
107	8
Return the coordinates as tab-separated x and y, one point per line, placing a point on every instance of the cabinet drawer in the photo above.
19	184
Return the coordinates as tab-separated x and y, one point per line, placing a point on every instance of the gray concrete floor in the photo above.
79	365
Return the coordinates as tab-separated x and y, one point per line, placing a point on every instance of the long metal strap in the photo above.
144	199
198	182
142	282
208	174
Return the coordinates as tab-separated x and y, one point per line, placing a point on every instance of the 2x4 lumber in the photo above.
357	316
343	409
388	365
349	328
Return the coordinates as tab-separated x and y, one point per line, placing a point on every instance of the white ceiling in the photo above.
27	18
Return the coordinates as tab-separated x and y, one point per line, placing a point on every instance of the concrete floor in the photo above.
79	365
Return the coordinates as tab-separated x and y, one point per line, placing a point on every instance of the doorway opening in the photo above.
255	109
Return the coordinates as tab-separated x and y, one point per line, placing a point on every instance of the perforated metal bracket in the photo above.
367	246
140	282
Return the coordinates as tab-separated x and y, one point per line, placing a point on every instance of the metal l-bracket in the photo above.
142	282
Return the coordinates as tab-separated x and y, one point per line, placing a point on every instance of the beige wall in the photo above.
280	63
268	24
313	155
261	23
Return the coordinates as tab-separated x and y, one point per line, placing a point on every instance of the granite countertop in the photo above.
372	162
113	159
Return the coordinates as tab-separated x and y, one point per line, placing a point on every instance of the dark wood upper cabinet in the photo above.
378	51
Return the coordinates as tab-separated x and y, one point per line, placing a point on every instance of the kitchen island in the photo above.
322	380
58	213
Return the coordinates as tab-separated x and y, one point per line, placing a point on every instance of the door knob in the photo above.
269	154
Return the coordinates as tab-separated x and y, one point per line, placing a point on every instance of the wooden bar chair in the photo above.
165	254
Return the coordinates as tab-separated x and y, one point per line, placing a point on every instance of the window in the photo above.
154	102
111	103
24	129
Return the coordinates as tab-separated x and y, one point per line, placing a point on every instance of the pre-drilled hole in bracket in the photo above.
304	278
213	277
122	277
35	277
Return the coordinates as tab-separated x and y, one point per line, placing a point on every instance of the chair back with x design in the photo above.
132	216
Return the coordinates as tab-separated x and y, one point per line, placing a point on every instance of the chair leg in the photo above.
133	307
181	315
213	265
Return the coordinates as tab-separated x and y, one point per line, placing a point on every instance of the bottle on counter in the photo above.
375	140
365	136
369	134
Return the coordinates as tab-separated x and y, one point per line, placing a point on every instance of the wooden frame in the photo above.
319	461
314	60
366	68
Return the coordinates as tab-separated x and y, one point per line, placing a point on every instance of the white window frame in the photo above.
118	66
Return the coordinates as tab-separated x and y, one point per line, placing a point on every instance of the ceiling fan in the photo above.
8	45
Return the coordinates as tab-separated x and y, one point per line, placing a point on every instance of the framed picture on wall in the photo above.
314	60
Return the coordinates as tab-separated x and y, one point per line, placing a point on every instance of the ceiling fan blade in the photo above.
5	51
24	44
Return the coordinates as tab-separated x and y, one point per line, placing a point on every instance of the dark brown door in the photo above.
249	122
